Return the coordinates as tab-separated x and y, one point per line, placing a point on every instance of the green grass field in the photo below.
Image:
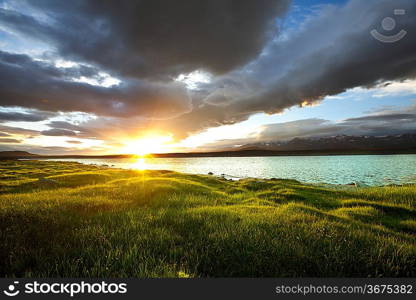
70	220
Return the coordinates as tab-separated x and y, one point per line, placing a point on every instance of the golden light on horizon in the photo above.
148	144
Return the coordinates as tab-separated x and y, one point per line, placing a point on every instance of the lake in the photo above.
341	169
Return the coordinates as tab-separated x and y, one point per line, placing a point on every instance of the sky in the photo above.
102	76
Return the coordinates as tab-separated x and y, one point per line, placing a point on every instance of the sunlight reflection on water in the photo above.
139	164
342	169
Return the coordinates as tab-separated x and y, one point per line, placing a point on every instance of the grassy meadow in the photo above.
63	219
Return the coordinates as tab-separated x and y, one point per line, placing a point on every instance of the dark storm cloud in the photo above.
24	117
155	38
333	53
58	132
65	125
33	84
143	40
82	131
16	130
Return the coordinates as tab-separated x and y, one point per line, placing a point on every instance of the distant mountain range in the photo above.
16	154
402	142
334	145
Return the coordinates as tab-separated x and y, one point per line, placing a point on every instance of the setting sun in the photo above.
148	145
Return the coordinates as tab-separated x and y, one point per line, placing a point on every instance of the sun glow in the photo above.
148	144
140	164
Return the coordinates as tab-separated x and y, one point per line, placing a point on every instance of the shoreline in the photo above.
353	184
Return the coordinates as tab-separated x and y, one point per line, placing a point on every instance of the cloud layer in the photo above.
147	44
380	123
334	52
156	38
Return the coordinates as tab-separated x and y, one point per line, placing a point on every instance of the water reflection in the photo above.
343	169
139	164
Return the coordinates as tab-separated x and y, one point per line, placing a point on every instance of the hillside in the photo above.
73	220
402	142
335	145
16	154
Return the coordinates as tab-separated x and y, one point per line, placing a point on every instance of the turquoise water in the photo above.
343	169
